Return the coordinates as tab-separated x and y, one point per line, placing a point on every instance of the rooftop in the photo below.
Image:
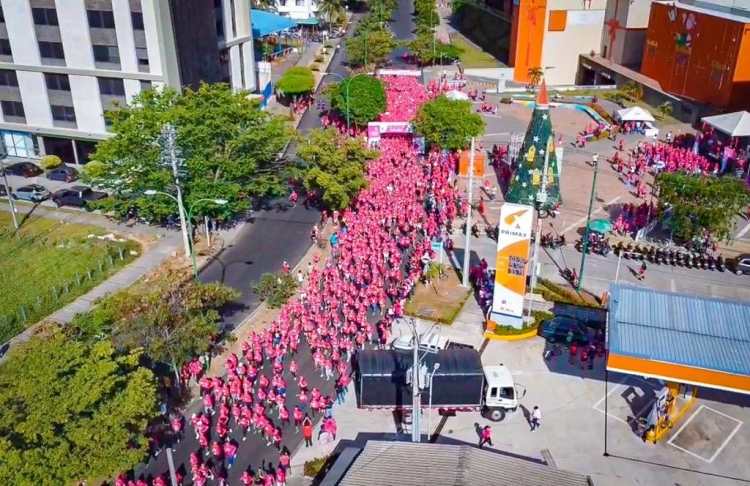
699	332
418	464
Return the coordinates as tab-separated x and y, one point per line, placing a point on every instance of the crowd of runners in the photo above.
376	260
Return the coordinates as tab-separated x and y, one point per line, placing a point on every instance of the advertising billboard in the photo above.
513	243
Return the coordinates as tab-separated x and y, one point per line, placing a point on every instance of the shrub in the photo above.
50	162
319	59
553	292
275	288
600	111
315	67
538	318
314	467
506	101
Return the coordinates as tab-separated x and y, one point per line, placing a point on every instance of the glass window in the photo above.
111	86
58	82
51	50
5	49
299	3
142	55
2	14
63	113
507	392
146	85
12	108
8	78
493	392
44	16
107	54
101	19
137	18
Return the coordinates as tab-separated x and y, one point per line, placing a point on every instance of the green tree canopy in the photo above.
370	46
229	150
71	411
448	124
171	319
296	81
336	165
702	203
430	51
366	98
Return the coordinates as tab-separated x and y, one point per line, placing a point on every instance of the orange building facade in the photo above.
696	53
527	37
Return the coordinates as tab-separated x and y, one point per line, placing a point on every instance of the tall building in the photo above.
699	51
64	63
624	33
297	9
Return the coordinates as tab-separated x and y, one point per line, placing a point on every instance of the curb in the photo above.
512	337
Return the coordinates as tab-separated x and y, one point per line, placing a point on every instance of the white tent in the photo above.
733	124
635	113
457	95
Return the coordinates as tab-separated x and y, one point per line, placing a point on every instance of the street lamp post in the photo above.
346	92
220	202
180	211
585	245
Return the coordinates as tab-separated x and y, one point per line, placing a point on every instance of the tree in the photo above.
366	98
336	165
375	45
331	9
528	168
297	81
50	162
172	319
632	90
430	51
275	289
448	124
267	5
535	74
664	109
695	204
71	411
229	149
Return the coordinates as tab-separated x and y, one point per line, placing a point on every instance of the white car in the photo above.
432	342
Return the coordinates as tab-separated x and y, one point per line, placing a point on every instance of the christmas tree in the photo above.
528	167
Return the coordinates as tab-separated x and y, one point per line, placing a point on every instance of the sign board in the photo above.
513	244
377	129
437	247
400	72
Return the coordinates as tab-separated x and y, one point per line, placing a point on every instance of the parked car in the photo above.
63	173
23	169
77	196
557	329
33	193
741	264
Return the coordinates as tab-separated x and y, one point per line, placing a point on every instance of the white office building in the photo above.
63	63
297	9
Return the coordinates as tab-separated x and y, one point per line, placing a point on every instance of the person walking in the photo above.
307	430
536	417
486	437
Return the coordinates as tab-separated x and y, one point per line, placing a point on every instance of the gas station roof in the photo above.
678	337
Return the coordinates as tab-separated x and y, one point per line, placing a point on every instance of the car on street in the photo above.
62	173
77	196
741	264
23	169
35	193
557	329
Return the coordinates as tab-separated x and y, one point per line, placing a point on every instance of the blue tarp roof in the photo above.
700	332
266	23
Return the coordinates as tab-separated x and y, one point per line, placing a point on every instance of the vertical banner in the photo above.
513	244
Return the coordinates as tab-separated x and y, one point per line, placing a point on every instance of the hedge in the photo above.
314	467
553	292
539	317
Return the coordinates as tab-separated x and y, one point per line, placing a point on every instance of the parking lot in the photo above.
15	182
708	446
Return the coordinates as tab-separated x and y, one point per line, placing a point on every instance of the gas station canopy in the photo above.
679	338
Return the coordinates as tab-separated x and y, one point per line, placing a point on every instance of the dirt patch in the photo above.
439	302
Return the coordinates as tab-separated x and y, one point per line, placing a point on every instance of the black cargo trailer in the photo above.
382	379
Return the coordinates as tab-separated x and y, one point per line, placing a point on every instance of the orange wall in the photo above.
529	21
707	69
680	374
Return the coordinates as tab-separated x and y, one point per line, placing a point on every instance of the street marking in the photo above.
495	134
723	444
583	220
624	383
743	232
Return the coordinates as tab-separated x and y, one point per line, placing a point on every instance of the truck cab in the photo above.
500	394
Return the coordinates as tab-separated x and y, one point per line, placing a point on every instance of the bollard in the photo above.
54	292
6	320
122	255
23	314
66	288
111	261
39	301
101	266
88	273
78	279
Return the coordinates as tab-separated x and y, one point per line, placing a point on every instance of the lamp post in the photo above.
585	246
219	202
346	92
181	212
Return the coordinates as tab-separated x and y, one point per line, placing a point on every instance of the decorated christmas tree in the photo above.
528	167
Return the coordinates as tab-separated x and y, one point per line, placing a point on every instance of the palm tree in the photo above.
331	10
665	109
267	5
536	74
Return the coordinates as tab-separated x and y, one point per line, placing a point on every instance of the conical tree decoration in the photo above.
529	165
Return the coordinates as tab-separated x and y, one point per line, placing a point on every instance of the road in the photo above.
256	251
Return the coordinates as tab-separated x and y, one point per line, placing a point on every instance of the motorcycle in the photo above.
721	264
492	231
711	263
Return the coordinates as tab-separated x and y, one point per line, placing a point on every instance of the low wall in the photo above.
569	106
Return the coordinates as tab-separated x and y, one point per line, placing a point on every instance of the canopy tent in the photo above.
265	23
635	113
733	124
308	21
457	96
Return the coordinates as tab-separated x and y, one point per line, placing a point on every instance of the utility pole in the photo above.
416	412
541	199
585	246
172	470
10	198
467	244
169	151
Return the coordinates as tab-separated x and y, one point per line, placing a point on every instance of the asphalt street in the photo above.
261	247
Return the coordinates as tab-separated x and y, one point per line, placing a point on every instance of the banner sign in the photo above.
377	129
513	244
399	72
